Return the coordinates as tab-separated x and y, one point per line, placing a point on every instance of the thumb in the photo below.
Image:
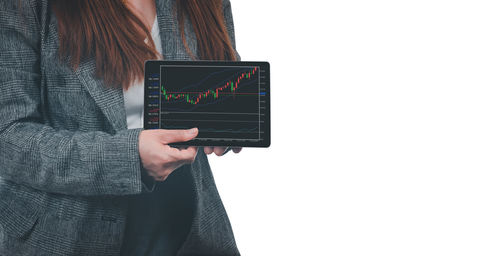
172	136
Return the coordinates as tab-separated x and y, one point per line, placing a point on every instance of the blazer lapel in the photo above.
167	28
109	100
172	46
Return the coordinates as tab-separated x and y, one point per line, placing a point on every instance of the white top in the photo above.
134	96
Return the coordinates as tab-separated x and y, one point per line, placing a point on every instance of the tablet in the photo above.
229	102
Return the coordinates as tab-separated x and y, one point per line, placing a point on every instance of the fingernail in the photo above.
193	130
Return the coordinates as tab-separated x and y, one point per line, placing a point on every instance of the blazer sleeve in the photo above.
35	154
228	18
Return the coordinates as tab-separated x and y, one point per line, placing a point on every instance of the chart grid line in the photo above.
226	102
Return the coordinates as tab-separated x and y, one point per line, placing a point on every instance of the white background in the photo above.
385	129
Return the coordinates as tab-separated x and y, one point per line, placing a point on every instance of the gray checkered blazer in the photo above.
67	160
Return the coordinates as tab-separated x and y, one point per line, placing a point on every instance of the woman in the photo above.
78	174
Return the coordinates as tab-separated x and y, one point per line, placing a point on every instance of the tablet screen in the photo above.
229	102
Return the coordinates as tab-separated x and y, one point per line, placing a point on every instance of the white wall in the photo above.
385	129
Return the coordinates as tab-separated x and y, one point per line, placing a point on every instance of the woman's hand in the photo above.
158	158
220	150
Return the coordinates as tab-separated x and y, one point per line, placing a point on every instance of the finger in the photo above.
171	136
184	155
193	149
169	170
208	150
219	150
188	155
163	178
237	150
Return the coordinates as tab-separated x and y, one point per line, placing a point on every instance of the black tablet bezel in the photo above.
152	66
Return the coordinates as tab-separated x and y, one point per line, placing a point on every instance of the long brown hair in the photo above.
110	32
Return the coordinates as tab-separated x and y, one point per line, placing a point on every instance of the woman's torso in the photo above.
76	103
157	222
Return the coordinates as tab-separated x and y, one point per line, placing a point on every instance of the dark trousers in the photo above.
158	222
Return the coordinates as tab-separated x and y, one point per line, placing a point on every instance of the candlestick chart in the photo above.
224	102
